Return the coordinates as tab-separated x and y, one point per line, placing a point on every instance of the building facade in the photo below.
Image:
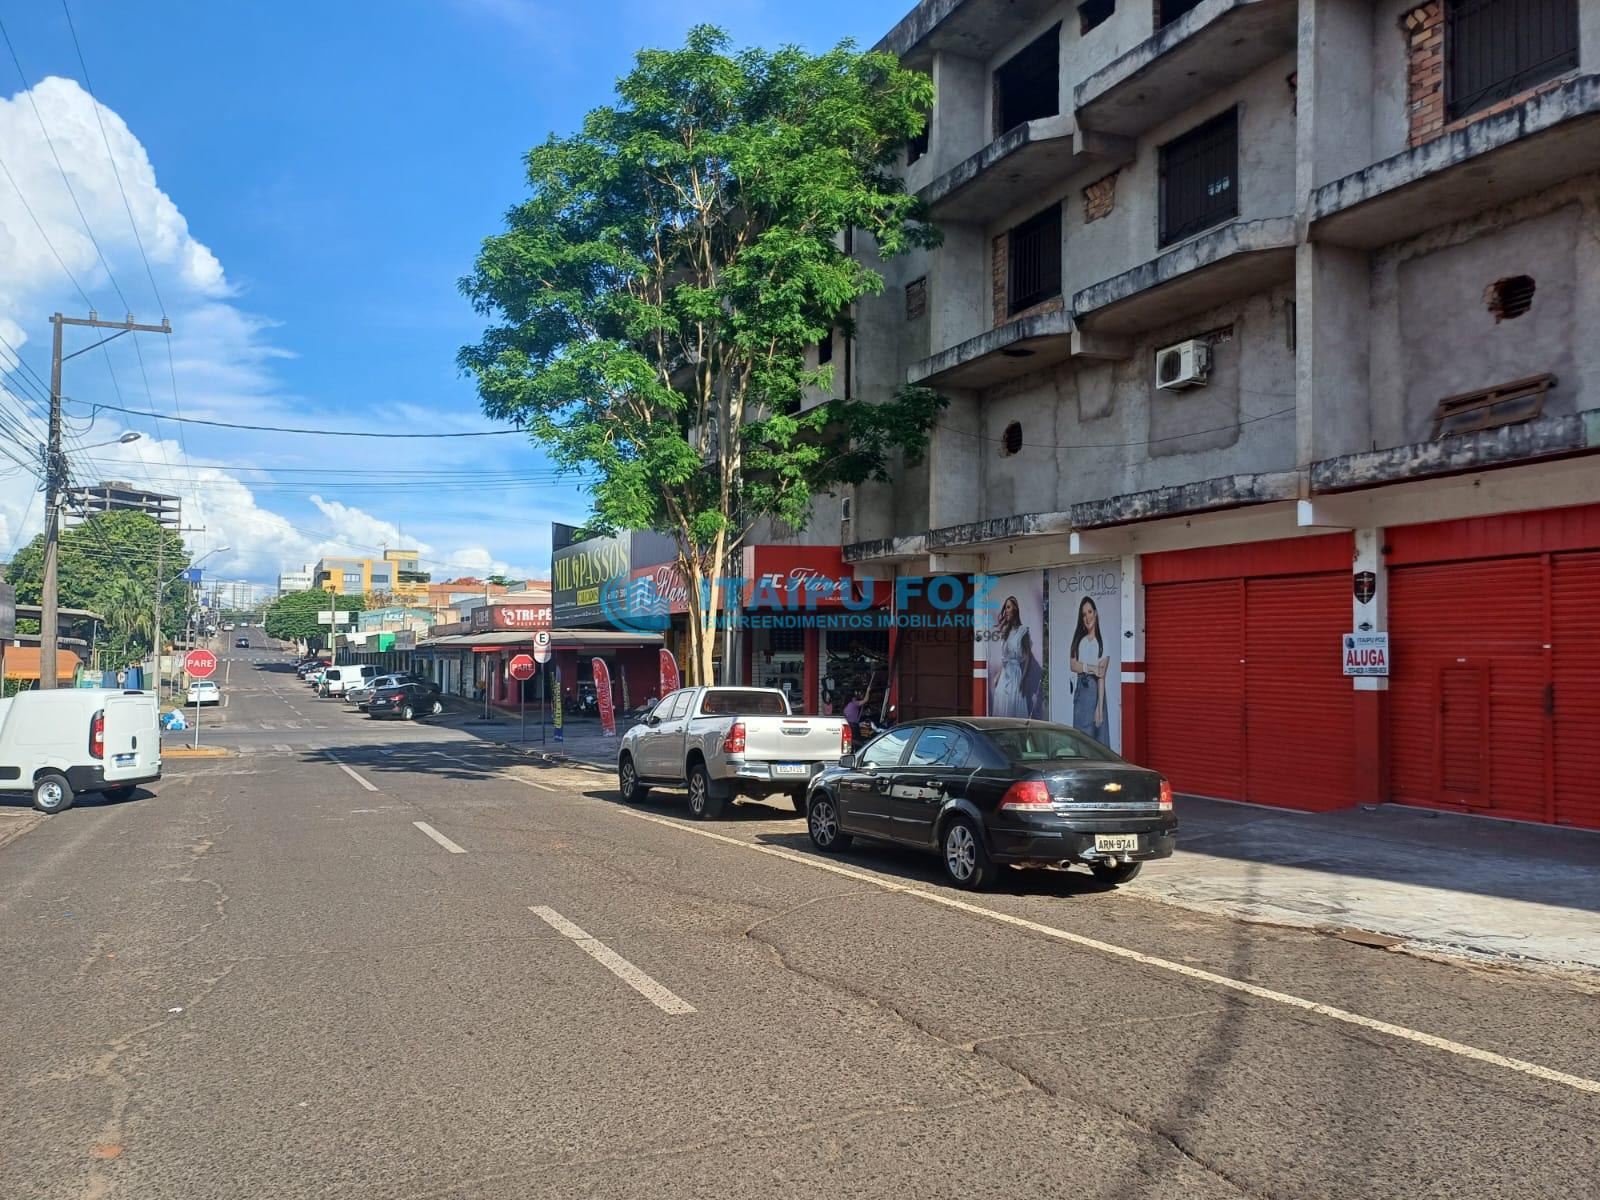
398	573
1263	326
297	581
115	495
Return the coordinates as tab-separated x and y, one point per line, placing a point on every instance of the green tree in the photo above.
108	565
293	617
655	297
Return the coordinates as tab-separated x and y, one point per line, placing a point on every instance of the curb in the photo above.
192	752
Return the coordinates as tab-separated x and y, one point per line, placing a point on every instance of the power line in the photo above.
349	433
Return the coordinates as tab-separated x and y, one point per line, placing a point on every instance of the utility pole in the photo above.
55	477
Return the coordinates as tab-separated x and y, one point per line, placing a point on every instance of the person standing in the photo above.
852	714
1016	683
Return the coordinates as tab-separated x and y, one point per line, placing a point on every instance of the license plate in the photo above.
791	768
1116	841
125	760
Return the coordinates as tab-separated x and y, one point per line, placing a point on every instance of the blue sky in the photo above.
309	180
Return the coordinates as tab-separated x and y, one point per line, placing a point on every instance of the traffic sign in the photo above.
200	664
522	667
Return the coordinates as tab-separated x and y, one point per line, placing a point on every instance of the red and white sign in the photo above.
602	695
200	664
658	589
521	667
510	617
669	672
1366	653
798	577
541	647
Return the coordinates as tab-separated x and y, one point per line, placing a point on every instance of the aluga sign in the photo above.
1366	654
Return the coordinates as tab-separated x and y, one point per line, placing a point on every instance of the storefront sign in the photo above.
1086	649
512	617
405	639
800	578
581	572
1366	653
1008	635
602	696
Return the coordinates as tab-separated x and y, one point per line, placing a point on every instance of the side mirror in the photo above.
847	760
652	720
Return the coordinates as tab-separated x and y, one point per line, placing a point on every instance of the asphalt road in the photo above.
380	960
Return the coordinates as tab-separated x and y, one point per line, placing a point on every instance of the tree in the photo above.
293	617
655	298
108	565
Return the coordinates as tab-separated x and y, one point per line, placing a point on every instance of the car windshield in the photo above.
1036	743
735	701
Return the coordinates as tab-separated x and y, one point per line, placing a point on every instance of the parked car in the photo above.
721	743
406	701
335	680
359	693
203	691
59	745
987	792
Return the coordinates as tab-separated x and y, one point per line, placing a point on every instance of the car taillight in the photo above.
1028	795
734	742
97	735
1166	796
844	738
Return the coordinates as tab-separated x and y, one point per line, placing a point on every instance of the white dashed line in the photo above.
608	958
1489	1057
543	787
283	748
438	837
359	779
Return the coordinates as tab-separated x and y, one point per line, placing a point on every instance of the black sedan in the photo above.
987	792
406	701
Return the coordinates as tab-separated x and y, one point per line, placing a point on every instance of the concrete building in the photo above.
1263	328
115	495
240	594
398	573
297	581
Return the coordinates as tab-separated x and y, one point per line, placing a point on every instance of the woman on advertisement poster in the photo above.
1016	687
1089	663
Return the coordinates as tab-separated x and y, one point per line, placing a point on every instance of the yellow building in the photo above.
398	573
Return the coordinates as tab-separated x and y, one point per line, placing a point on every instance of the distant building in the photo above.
240	594
398	573
297	581
115	495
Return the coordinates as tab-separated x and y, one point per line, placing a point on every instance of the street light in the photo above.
133	435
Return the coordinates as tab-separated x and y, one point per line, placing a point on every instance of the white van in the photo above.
59	745
336	679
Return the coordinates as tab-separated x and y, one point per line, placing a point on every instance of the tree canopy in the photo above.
108	565
292	617
655	297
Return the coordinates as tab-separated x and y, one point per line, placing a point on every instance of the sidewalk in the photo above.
1527	895
582	741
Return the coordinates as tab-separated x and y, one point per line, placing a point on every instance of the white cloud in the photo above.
224	359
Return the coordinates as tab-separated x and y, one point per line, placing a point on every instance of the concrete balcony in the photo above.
970	28
1016	348
1227	263
1493	160
1024	163
1209	48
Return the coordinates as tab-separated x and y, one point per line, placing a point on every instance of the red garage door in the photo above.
1575	697
1245	698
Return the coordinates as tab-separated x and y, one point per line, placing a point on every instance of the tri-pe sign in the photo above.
1366	653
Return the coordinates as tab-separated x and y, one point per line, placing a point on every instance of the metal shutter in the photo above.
1467	722
1300	708
934	668
1575	630
1194	694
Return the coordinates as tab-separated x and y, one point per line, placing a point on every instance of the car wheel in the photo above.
703	806
1120	873
119	794
437	708
966	862
822	822
52	794
408	713
628	781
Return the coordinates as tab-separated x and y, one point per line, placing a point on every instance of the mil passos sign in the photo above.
1366	653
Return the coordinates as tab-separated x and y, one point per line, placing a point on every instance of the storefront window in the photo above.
778	660
854	662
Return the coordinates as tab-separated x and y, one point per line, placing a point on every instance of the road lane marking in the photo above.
438	837
283	747
543	787
1488	1057
371	787
608	958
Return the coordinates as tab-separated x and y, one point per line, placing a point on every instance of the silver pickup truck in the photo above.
722	743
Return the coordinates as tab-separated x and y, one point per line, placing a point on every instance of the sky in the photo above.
298	186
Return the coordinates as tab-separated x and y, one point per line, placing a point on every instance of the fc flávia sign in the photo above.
1366	653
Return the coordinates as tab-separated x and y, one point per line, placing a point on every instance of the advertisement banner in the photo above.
1008	634
602	697
555	714
1086	649
669	673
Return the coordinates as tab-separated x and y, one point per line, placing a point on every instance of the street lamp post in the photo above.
161	587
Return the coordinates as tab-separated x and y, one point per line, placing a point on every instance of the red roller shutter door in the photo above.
1300	708
1575	626
1245	697
1195	695
1467	719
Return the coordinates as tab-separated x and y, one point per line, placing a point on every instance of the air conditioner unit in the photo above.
1183	365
